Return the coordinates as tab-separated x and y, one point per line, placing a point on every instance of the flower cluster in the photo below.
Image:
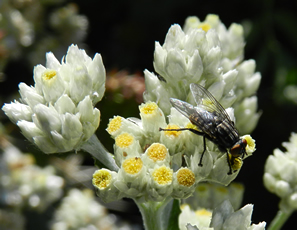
21	27
223	217
156	165
208	54
280	175
79	210
58	113
24	184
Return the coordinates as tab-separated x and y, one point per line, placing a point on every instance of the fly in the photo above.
212	122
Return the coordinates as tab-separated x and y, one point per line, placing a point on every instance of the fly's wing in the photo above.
194	114
184	108
204	99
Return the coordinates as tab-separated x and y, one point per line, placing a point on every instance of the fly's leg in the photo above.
183	129
204	145
229	163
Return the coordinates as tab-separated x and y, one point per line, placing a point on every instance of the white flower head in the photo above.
58	113
209	54
80	210
103	180
222	217
25	183
200	218
280	175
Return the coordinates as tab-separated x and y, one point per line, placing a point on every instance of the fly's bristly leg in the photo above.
183	129
229	163
204	148
195	132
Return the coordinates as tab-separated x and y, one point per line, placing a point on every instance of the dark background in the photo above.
124	33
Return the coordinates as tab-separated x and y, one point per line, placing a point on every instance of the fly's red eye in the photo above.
238	149
244	143
235	151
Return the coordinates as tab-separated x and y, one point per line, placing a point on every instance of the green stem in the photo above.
279	220
155	215
98	151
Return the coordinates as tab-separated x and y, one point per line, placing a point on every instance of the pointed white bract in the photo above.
58	113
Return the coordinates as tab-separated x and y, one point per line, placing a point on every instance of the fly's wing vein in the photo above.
205	100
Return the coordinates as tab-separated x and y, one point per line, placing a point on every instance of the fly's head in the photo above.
238	149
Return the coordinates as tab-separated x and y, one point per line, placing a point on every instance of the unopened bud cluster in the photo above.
58	113
208	54
280	175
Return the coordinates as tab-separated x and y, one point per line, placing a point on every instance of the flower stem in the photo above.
98	151
155	215
279	220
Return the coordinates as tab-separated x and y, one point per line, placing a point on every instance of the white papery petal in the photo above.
17	111
30	96
80	84
52	62
45	144
97	73
71	127
29	129
65	105
48	118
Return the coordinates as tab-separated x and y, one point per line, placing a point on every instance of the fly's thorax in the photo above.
226	134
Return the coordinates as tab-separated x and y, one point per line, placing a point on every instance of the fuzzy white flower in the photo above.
80	210
58	113
223	217
200	218
280	175
26	184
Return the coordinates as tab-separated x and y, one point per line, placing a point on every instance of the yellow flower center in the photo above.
162	175
133	165
185	177
157	152
114	124
172	133
124	140
204	26
102	178
203	212
49	75
148	108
